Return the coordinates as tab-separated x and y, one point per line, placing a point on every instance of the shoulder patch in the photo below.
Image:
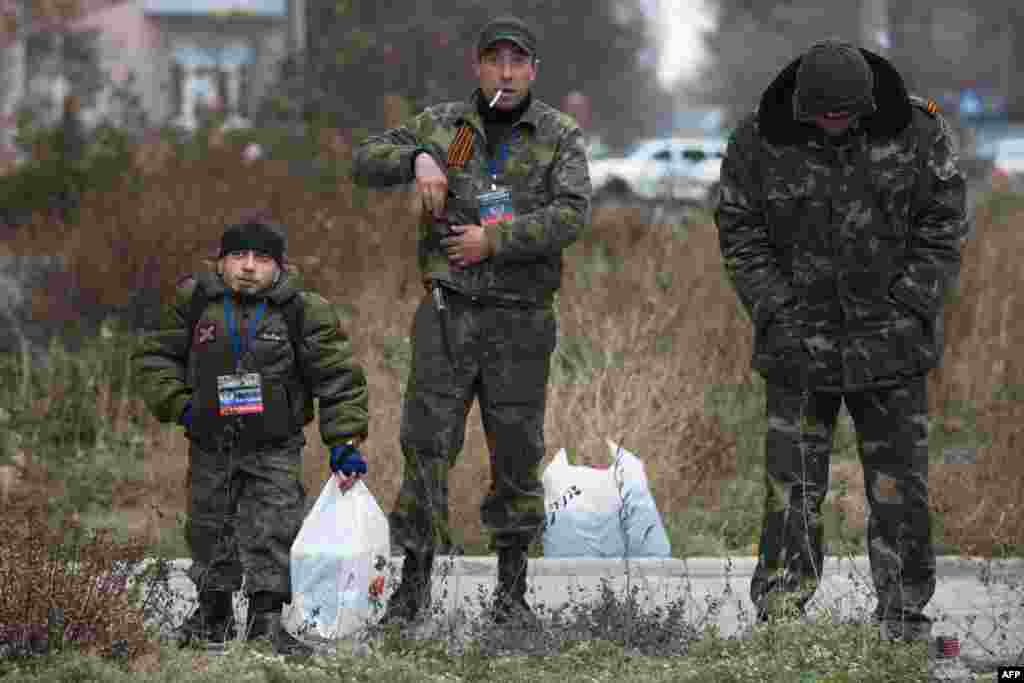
927	105
461	148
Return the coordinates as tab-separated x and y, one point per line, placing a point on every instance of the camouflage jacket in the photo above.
175	364
841	250
546	170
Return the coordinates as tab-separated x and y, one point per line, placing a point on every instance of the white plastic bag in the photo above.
594	512
342	549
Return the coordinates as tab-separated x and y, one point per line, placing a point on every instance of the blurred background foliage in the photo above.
361	51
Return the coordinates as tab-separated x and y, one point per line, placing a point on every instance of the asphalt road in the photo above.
981	602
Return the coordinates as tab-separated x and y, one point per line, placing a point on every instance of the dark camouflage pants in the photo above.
892	438
245	509
499	356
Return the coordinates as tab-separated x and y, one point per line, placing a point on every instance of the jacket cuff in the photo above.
178	404
354	439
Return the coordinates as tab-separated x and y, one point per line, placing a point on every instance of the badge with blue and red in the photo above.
496	207
240	394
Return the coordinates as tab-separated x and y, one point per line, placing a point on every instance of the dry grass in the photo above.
983	510
647	321
42	567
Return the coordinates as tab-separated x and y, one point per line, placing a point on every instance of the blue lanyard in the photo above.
496	164
239	345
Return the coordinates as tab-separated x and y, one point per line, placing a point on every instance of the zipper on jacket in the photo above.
836	238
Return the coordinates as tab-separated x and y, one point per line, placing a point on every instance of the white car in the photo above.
1008	164
682	169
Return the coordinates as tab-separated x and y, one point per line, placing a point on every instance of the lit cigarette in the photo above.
497	96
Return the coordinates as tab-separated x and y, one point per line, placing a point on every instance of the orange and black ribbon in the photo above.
461	148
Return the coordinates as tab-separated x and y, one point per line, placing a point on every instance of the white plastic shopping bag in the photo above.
340	553
595	512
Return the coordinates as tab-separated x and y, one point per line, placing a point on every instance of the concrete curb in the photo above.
947	567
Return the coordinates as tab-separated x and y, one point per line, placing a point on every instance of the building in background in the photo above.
967	56
178	59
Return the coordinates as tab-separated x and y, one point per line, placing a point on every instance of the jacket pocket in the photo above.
894	352
783	215
276	422
893	195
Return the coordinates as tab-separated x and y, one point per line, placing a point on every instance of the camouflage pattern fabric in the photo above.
546	171
892	438
245	509
246	501
501	326
502	356
841	250
331	374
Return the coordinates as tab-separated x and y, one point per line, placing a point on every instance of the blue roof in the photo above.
274	8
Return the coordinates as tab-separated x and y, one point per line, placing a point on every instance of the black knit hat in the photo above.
508	28
833	76
260	236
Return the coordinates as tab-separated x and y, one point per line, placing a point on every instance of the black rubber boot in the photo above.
261	606
510	606
265	623
909	629
413	592
211	623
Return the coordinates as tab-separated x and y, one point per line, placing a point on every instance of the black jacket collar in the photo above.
893	114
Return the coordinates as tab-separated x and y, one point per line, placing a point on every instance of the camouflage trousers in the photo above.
892	439
244	510
499	356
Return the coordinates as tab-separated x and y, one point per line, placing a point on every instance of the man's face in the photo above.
835	123
507	67
247	272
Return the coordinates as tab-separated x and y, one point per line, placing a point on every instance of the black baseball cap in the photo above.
259	236
833	76
511	29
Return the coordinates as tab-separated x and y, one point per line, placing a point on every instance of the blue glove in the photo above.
347	460
186	416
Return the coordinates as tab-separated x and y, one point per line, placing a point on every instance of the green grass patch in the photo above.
822	653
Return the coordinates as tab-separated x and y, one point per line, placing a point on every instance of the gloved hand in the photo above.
347	459
186	416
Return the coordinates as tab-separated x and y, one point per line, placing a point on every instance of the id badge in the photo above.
496	207
240	394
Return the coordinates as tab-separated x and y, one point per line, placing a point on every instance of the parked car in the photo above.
681	169
1008	164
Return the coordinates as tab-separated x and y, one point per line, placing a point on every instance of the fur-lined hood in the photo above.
893	114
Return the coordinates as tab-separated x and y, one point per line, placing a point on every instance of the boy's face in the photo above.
247	272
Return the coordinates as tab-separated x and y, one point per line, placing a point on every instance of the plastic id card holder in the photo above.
240	394
496	207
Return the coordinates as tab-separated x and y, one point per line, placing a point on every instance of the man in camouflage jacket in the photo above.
505	188
246	500
840	220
